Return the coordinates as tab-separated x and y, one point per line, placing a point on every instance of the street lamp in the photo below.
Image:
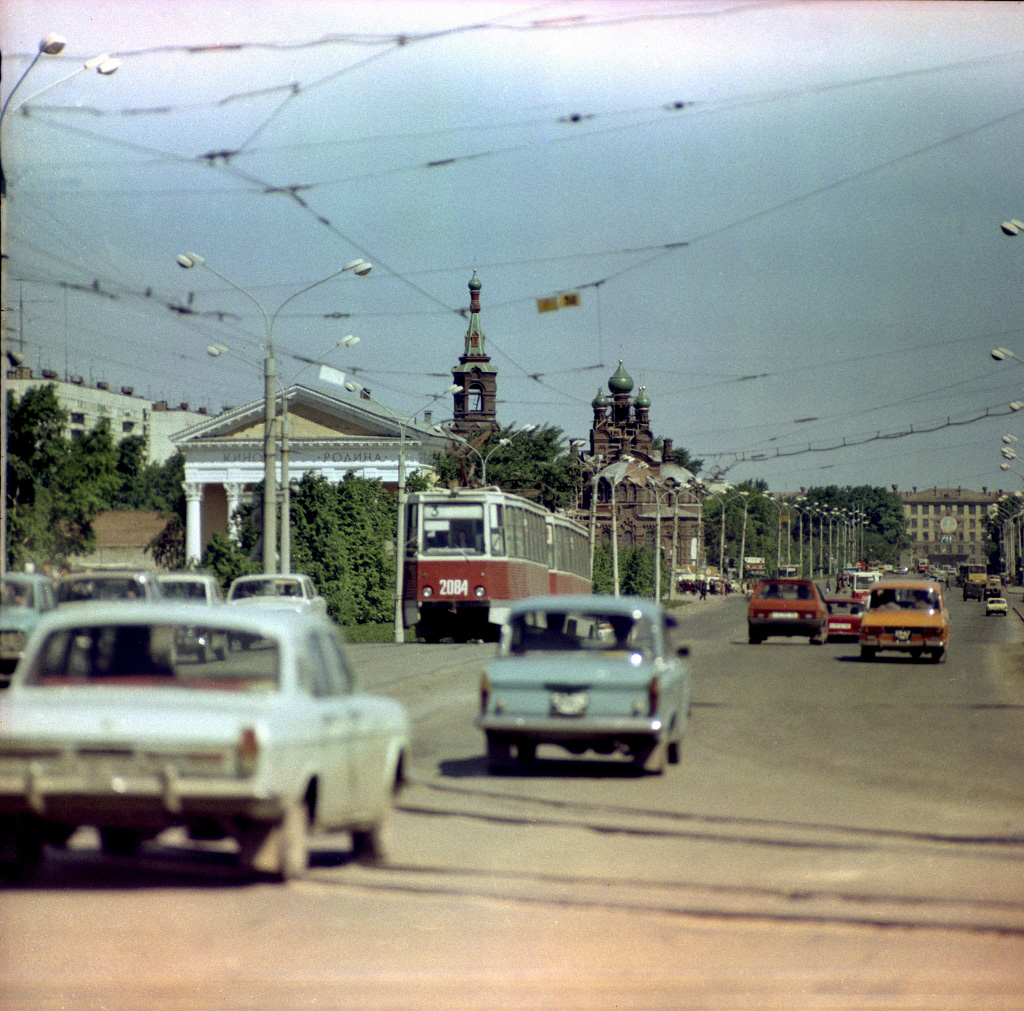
51	45
359	267
400	533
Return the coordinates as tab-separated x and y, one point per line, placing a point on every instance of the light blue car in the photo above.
588	673
25	597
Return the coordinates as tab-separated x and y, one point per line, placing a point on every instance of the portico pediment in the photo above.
311	415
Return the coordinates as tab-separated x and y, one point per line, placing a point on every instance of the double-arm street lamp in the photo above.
52	45
400	531
484	457
359	267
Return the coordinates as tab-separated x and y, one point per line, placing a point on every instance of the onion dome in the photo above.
621	381
642	400
475	284
600	400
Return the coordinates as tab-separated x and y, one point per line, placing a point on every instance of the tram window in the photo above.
456	527
498	531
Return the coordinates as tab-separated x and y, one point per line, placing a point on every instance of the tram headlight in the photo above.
479	591
427	592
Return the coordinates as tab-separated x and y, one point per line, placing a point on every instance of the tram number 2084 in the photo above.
454	587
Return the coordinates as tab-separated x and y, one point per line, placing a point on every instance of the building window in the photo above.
77	433
475	399
127	426
77	419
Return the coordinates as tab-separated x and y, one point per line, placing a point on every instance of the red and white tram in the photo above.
471	552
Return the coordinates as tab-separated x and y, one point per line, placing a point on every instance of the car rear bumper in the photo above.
553	729
768	626
132	798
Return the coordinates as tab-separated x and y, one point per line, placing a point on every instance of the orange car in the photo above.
905	615
786	607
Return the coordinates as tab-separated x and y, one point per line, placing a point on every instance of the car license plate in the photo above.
568	703
785	615
902	635
841	625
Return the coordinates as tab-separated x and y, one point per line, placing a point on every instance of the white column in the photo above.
193	523
234	494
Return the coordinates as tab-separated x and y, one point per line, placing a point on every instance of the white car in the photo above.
996	605
293	591
190	587
107	723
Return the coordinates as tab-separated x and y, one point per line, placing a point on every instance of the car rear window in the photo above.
784	591
267	588
895	598
547	631
116	588
157	656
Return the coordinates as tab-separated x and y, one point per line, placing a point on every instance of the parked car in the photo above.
203	590
996	605
586	673
190	587
106	724
908	616
786	607
844	614
293	591
25	598
129	585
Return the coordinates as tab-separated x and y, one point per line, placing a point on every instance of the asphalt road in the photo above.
838	834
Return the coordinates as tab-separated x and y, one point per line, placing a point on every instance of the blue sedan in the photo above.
588	673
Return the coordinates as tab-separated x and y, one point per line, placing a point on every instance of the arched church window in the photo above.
475	399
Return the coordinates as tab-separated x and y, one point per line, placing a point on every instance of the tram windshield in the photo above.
453	528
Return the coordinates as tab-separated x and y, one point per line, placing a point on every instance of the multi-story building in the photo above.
948	525
127	413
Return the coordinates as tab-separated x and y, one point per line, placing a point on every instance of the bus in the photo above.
471	552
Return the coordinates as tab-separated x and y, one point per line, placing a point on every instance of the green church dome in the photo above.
621	381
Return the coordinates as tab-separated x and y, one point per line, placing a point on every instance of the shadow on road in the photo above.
600	767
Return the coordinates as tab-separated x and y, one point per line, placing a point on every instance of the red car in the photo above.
843	618
787	607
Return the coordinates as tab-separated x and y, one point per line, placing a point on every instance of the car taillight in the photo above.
485	693
247	752
479	591
428	591
653	695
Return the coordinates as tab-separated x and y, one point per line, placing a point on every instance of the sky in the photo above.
782	217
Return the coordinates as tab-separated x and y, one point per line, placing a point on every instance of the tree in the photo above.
55	487
536	465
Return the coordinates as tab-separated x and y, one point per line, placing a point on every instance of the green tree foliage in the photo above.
55	486
884	535
342	536
536	465
636	571
226	560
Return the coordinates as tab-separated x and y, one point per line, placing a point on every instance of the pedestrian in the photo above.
703	589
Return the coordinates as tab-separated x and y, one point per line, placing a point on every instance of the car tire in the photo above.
280	849
499	753
672	753
21	848
526	752
119	842
651	758
867	652
375	845
754	638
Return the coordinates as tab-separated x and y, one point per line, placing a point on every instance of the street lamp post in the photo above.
51	45
359	267
743	536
